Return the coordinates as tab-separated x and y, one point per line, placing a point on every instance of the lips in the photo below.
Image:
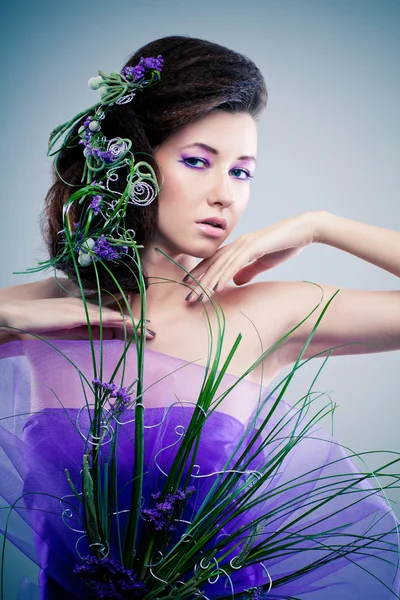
210	230
216	222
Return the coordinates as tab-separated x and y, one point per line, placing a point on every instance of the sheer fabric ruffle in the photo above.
43	429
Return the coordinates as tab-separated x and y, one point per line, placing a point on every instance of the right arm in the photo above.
36	290
44	308
44	288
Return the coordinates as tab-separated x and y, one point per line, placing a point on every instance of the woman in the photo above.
198	126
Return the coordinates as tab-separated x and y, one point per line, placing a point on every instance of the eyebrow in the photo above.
214	151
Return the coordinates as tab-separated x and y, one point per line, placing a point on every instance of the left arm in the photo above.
376	245
369	317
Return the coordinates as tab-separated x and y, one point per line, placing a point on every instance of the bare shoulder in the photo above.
263	312
292	310
50	287
288	298
278	306
262	295
270	304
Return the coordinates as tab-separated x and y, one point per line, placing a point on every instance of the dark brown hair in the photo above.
198	77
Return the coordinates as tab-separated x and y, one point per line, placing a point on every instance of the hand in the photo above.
62	318
263	249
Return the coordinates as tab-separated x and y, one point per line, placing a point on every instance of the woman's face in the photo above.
207	167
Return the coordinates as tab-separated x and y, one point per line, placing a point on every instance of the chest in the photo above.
192	334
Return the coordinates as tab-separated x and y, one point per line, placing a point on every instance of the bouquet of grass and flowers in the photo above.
138	487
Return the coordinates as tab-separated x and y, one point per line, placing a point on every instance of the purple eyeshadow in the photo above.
245	164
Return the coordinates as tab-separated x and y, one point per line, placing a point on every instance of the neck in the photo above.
165	280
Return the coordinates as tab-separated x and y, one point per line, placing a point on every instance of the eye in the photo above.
205	162
195	159
248	176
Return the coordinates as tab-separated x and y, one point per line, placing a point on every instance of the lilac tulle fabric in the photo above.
42	432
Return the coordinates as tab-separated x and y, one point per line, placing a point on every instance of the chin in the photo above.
204	249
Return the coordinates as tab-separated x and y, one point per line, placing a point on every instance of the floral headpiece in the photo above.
104	158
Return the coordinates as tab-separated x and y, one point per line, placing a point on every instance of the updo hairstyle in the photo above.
197	78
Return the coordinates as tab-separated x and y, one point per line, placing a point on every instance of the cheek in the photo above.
171	190
242	204
166	197
175	197
169	205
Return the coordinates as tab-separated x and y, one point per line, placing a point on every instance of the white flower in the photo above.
103	89
95	82
84	258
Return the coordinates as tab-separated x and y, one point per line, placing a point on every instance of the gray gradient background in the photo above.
329	139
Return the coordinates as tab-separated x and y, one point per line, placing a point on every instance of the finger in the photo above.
82	333
149	334
202	267
239	268
247	273
109	315
111	320
110	333
211	281
129	328
229	271
106	333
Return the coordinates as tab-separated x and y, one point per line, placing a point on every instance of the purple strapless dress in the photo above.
42	432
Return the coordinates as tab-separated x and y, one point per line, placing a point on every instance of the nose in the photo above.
221	192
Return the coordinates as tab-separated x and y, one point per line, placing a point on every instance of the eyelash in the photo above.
206	162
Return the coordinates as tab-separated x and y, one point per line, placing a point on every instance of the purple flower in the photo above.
162	516
104	155
153	63
109	579
134	73
101	155
109	387
98	183
122	398
103	249
86	140
95	204
138	71
76	238
122	395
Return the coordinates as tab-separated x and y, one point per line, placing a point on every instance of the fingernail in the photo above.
188	296
151	332
186	278
200	298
